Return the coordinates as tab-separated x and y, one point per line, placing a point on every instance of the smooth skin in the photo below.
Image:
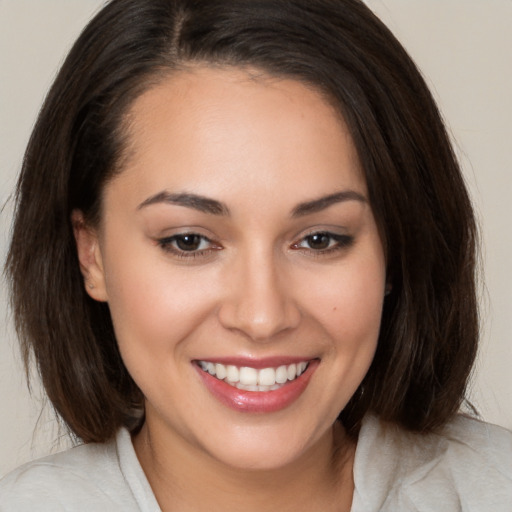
239	226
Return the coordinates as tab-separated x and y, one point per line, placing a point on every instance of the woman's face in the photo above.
239	241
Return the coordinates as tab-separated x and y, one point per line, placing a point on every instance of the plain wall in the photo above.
463	48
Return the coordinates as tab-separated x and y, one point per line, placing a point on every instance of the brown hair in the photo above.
429	327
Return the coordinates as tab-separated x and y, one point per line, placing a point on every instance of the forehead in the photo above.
210	130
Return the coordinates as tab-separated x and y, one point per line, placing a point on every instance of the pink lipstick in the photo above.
257	386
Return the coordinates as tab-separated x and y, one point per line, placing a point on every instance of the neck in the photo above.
185	479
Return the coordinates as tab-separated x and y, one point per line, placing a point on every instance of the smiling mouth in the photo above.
252	379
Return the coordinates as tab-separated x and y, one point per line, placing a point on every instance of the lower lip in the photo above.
258	401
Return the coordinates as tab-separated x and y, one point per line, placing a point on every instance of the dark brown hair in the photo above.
429	328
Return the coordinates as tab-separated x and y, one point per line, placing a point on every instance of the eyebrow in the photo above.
317	205
214	207
201	203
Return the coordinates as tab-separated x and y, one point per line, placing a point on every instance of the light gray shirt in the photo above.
467	467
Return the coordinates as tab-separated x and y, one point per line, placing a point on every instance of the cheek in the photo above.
351	317
348	306
153	305
155	315
349	303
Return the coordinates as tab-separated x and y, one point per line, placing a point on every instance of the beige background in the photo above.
464	49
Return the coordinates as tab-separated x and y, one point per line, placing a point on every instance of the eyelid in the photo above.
343	242
167	245
337	242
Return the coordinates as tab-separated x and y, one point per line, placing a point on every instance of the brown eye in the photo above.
323	242
187	244
319	241
190	242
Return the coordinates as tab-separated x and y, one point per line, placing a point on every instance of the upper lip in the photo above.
257	363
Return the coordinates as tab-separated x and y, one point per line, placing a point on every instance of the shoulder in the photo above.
471	439
84	478
465	466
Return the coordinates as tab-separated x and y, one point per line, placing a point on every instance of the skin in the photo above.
257	285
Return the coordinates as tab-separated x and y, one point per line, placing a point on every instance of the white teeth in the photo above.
281	375
248	376
220	371
247	387
251	379
256	388
267	377
232	374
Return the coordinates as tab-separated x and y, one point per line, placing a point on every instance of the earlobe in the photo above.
89	256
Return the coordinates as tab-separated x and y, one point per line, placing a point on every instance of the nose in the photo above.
258	300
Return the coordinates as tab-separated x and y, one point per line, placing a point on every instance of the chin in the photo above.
258	458
263	449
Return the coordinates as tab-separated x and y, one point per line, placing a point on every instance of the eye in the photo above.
190	242
324	241
319	241
187	244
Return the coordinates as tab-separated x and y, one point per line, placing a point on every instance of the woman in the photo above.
243	258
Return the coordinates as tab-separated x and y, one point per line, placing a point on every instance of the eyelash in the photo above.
169	244
336	243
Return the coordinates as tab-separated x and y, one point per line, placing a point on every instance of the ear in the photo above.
89	256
